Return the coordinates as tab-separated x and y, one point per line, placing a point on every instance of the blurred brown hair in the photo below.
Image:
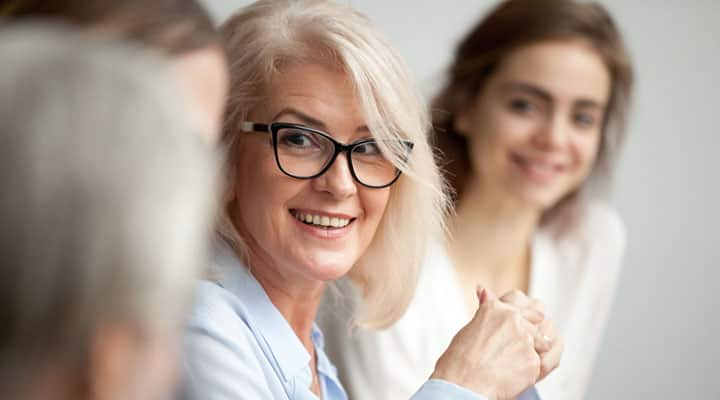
509	26
172	26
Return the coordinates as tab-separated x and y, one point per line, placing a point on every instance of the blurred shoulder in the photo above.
593	238
218	310
591	224
221	355
602	224
212	300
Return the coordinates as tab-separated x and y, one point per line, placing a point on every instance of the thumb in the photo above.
484	294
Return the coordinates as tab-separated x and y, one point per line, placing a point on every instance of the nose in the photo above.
554	133
337	180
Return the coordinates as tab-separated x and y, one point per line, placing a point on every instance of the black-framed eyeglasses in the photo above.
305	153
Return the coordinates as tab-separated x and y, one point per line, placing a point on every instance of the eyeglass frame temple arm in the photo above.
249	127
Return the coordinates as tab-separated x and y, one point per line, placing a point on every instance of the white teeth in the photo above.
541	167
322	220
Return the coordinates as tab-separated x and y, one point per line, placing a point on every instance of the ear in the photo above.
113	352
460	123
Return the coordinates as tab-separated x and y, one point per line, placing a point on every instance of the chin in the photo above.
542	200
327	266
329	272
537	196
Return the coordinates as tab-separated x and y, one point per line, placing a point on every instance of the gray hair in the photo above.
107	198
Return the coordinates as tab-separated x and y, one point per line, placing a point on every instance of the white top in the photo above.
575	276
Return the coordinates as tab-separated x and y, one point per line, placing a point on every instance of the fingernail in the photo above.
481	294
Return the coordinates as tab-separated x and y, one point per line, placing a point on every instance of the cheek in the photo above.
498	130
511	130
260	191
586	151
488	149
374	203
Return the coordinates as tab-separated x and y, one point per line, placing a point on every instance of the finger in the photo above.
542	342
520	299
516	298
547	329
490	294
484	294
481	294
536	304
546	332
532	309
549	361
534	316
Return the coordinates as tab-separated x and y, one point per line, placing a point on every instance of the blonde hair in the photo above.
269	34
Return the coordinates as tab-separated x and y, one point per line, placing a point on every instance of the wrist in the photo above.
482	387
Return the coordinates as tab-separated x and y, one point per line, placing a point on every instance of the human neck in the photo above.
295	296
490	236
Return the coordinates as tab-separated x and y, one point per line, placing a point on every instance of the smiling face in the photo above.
268	206
535	129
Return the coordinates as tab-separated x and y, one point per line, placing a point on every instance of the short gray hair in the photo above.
107	197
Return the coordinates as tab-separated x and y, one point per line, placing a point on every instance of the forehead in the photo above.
323	91
565	69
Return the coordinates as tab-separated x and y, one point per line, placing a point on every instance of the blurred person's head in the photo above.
107	205
180	29
535	104
306	74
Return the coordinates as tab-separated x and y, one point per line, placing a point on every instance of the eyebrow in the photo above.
309	120
536	91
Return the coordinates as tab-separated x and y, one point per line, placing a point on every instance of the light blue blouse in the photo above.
239	346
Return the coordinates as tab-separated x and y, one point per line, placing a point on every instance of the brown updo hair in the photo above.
174	27
509	26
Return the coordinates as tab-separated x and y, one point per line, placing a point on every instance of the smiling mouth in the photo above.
321	221
535	167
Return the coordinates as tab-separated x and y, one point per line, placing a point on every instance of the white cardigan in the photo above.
574	276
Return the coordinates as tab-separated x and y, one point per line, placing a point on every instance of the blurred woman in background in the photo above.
107	201
179	29
529	125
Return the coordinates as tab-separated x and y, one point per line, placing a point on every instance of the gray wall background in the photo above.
663	340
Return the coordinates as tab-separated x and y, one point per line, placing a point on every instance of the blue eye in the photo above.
522	106
295	139
585	120
368	148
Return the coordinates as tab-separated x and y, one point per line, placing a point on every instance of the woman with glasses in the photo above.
330	175
529	123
